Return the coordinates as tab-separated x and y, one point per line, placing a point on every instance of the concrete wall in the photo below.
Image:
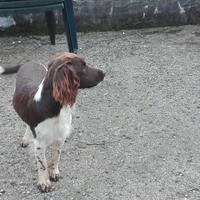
93	15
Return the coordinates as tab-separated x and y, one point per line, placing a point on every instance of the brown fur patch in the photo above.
64	80
65	85
61	58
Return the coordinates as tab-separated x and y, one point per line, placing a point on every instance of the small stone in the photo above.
2	192
13	183
84	193
177	181
195	190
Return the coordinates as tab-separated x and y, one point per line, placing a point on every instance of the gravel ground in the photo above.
136	135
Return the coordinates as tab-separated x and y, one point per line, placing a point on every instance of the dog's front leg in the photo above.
43	175
53	164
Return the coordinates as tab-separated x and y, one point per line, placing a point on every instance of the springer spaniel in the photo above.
44	99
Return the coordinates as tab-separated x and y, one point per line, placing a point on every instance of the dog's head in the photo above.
68	73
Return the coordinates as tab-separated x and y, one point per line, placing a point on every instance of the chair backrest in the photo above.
27	3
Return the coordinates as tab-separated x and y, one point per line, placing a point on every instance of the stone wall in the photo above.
95	15
123	14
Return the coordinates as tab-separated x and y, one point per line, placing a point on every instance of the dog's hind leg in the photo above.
53	164
43	175
28	137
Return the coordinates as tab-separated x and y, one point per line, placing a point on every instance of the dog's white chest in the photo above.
57	128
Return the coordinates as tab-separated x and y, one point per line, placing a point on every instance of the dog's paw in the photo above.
54	175
24	144
44	186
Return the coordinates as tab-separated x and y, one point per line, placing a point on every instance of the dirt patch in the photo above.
136	135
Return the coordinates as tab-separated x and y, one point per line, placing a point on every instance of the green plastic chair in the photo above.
12	7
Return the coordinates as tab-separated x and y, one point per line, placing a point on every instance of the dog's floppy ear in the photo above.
65	85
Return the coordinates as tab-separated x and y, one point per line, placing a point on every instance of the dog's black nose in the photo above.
101	74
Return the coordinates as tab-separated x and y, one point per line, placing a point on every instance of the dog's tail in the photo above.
9	70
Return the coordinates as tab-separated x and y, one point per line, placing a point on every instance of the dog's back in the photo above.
29	77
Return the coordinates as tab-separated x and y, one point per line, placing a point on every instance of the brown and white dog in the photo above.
44	99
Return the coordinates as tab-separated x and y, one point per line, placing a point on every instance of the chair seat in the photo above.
12	7
13	11
8	7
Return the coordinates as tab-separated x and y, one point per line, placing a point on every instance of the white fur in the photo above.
28	136
38	94
44	67
56	128
42	165
52	131
2	70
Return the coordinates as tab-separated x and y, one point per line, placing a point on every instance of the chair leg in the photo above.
70	27
51	24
